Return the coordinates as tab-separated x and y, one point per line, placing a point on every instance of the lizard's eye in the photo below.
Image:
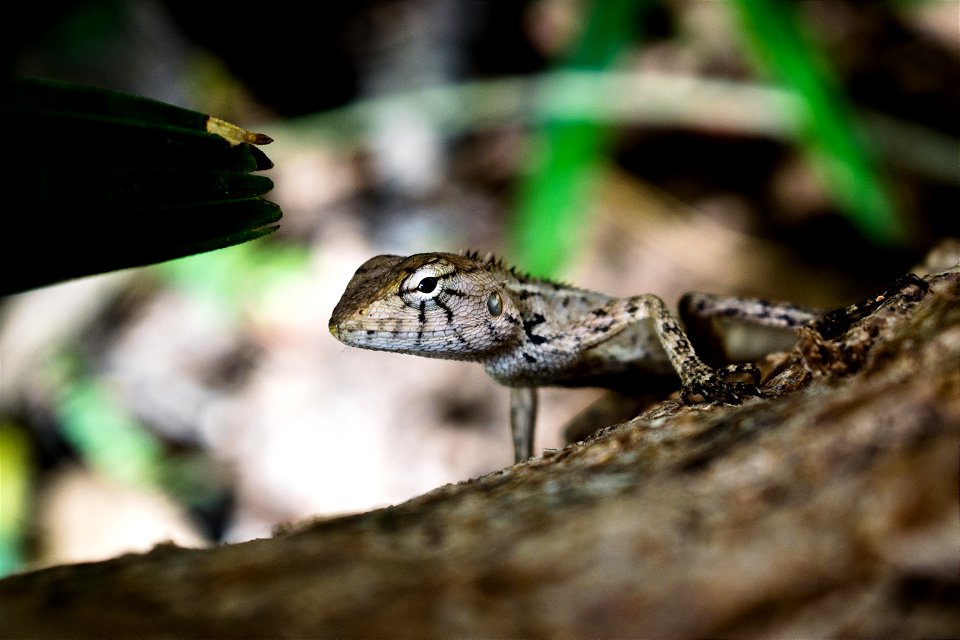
427	285
495	304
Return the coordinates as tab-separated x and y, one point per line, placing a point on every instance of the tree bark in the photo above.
829	507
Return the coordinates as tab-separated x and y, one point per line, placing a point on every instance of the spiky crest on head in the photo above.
490	260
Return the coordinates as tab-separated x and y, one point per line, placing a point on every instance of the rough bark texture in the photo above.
828	508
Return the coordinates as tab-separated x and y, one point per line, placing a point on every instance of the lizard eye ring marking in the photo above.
423	285
495	304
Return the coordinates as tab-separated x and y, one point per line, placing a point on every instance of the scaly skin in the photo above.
526	332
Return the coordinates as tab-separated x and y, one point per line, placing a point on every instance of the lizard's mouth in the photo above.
354	334
347	334
399	340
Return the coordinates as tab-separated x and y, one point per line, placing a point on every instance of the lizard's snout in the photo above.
336	329
346	331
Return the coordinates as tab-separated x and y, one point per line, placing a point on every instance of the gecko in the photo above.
530	332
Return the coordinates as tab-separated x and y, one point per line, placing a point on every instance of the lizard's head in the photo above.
440	305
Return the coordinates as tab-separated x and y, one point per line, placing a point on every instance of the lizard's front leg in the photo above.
696	377
523	416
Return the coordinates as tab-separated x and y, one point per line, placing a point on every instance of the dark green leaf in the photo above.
95	181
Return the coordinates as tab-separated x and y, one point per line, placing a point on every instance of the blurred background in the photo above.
805	151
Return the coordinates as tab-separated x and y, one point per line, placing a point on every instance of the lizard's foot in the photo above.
712	387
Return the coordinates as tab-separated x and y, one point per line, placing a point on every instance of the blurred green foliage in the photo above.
552	206
107	438
244	273
15	476
833	135
565	153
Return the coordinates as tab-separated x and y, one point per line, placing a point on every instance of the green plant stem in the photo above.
552	201
832	131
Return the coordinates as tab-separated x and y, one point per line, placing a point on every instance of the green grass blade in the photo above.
833	132
551	202
15	479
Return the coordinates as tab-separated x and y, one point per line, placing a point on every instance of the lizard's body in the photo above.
529	332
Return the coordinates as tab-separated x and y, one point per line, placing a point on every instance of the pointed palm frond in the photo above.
95	181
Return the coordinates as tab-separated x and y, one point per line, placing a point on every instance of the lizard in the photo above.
530	332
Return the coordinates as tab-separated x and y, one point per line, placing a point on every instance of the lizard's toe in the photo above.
713	389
